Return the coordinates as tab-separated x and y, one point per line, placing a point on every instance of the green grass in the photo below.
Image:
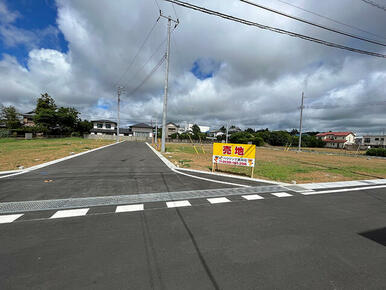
182	149
10	144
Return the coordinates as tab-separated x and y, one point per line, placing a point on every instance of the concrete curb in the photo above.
233	176
57	161
10	171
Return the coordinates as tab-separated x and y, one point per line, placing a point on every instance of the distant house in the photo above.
373	141
337	139
125	132
28	119
213	134
171	128
142	130
203	129
104	127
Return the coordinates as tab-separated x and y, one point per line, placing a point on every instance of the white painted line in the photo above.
252	197
180	203
10	171
173	168
218	200
57	161
343	190
69	213
4	219
232	176
130	207
281	194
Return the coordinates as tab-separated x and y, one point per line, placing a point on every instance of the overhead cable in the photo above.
138	52
312	23
375	4
274	29
148	76
331	19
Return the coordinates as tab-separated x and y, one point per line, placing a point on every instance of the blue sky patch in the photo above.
205	68
33	27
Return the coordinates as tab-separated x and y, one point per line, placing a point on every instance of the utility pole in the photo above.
226	136
156	133
165	105
301	123
120	90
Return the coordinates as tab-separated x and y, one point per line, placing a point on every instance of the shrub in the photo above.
381	152
4	133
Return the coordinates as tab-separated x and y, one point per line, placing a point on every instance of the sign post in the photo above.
234	154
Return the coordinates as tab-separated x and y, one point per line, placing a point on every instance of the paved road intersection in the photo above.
204	235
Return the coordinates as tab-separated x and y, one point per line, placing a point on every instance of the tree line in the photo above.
258	137
48	119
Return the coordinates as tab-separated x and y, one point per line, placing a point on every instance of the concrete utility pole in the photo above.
120	90
156	133
165	105
226	136
301	122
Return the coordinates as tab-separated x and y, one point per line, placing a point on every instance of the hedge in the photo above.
376	152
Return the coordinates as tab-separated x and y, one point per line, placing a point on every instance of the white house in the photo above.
104	127
373	140
337	139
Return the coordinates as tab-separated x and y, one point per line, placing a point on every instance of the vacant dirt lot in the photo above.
285	166
27	153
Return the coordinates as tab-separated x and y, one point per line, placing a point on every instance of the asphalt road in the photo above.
328	241
125	168
281	241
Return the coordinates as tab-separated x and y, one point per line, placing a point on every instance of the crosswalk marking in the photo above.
4	219
180	203
130	207
69	213
218	200
252	197
281	194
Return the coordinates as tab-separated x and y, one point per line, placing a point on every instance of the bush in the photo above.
4	133
381	152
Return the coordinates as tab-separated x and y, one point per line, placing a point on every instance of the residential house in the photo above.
373	141
213	134
104	127
203	129
28	119
337	139
142	130
171	128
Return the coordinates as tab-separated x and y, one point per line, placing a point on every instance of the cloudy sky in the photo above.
78	51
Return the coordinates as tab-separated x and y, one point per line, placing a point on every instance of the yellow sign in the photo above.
234	154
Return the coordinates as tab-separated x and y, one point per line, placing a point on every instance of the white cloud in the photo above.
259	75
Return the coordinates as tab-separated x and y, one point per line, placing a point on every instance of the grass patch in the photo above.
27	153
287	166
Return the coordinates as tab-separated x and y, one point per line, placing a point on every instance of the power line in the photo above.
148	60
148	76
156	3
331	19
138	52
274	29
375	4
312	23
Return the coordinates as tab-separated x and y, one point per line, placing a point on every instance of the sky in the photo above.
79	51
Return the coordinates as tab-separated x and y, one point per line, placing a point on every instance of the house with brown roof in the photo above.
337	139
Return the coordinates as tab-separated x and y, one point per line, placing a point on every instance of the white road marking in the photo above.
281	194
218	200
4	219
252	197
180	203
69	213
344	190
57	161
130	207
174	169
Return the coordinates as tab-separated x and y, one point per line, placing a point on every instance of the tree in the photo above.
46	112
84	127
9	116
67	119
250	130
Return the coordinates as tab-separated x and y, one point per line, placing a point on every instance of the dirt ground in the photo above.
286	166
17	152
